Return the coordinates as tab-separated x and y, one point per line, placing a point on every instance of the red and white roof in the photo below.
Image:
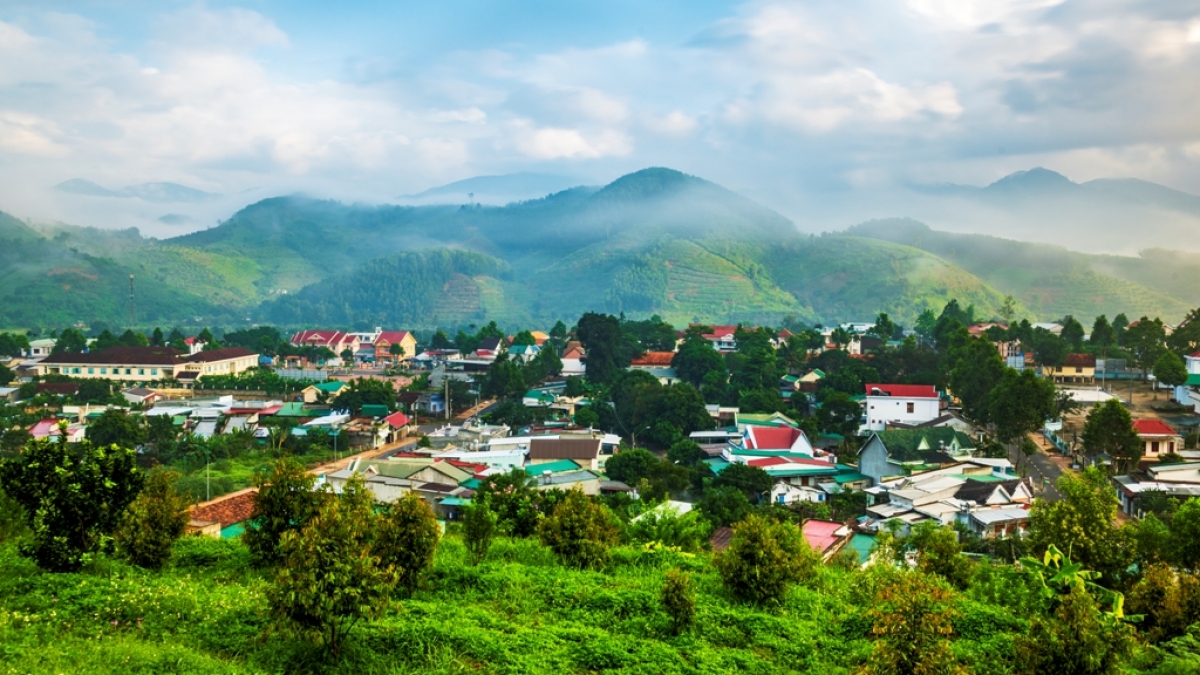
902	390
1153	428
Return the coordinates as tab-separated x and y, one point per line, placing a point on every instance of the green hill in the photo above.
1052	281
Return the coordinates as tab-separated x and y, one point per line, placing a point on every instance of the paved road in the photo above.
1042	471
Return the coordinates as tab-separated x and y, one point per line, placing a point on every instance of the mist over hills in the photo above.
158	193
494	190
654	241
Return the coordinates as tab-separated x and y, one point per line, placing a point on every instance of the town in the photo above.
872	441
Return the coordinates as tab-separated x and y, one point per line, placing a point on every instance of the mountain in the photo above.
656	241
159	193
500	189
1100	216
1052	281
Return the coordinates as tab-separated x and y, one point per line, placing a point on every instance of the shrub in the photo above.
73	497
679	599
153	522
764	559
479	527
580	532
329	578
407	539
689	531
285	503
912	623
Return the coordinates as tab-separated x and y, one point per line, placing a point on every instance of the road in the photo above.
1043	472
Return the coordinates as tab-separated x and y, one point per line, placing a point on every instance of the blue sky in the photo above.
798	104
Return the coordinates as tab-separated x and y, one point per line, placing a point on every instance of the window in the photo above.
912	407
129	371
104	371
141	371
91	371
1058	369
1154	447
154	371
1079	369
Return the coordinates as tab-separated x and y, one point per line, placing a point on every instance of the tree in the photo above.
94	391
1008	310
70	341
407	539
1072	332
678	597
1145	341
116	427
396	350
1170	370
1020	404
479	528
440	341
884	328
600	335
156	338
513	497
938	551
330	577
1120	323
1109	430
1048	348
925	325
839	414
1077	638
1186	337
685	452
558	334
764	559
73	497
365	391
1082	523
580	532
524	338
751	480
912	621
978	371
630	466
1102	333
285	503
723	506
153	522
1185	535
666	526
6	375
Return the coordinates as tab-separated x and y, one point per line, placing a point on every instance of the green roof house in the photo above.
897	452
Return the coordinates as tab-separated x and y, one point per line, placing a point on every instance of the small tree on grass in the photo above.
407	539
912	623
73	497
285	503
580	532
479	527
679	599
329	577
764	559
153	522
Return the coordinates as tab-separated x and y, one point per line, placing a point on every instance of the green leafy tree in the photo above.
1109	430
587	417
407	539
330	578
751	480
153	522
1170	370
724	506
912	623
884	327
925	325
524	338
6	375
1102	334
1120	324
937	551
1082	524
440	341
70	341
606	356
1167	600
764	559
1072	332
479	528
365	391
685	453
73	497
978	371
285	503
678	597
1020	404
1185	535
687	532
632	465
839	414
1146	341
1185	339
513	497
580	532
117	427
156	338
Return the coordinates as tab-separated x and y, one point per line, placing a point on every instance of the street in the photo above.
1043	472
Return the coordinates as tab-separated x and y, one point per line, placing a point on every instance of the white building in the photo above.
904	403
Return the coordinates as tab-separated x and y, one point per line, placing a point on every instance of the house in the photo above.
1076	369
334	340
39	348
722	338
384	341
149	364
584	451
783	438
898	452
489	349
999	522
825	536
1188	393
1006	348
9	394
1158	438
225	518
140	395
905	403
657	364
431	404
572	359
523	353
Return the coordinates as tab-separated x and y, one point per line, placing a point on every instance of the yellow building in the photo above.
149	364
1076	369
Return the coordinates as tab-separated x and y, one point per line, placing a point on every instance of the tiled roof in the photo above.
219	355
58	388
1153	428
720	332
318	337
134	356
397	420
904	445
821	534
564	448
1080	360
772	438
902	390
653	359
720	538
228	511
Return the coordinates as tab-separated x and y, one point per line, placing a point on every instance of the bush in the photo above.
208	552
479	527
285	503
580	532
153	522
408	539
679	599
689	532
764	559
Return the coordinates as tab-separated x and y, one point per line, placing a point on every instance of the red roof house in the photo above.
902	390
1158	438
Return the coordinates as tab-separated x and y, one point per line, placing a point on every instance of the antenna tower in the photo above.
130	302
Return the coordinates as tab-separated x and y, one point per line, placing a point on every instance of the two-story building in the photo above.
334	340
149	364
909	404
1076	369
386	339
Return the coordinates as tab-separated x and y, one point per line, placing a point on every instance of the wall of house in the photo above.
884	409
872	461
121	372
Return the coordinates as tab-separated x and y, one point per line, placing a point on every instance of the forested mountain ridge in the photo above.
654	241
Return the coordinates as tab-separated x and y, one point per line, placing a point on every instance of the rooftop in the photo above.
902	390
229	511
1152	427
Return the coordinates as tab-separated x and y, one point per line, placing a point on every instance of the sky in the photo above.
826	110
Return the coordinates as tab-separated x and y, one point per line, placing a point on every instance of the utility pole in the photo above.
130	302
446	383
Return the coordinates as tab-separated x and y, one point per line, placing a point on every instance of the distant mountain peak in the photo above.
150	192
652	182
1037	178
